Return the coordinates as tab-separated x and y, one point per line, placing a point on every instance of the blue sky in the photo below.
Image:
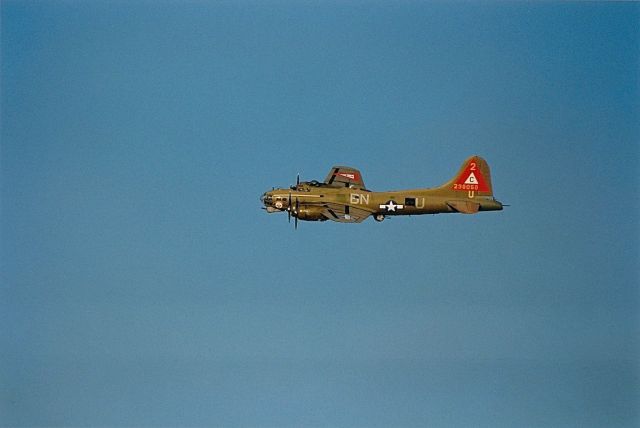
142	284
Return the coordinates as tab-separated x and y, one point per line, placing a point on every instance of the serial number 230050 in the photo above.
465	187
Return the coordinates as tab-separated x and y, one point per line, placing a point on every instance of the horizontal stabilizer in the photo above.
464	207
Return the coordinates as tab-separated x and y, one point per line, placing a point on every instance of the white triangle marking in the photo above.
471	179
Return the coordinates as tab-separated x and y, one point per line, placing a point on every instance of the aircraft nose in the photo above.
265	198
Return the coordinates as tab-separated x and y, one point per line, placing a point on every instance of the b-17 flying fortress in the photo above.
343	197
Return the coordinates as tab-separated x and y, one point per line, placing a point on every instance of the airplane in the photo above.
342	197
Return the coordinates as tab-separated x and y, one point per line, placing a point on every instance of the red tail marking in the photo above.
471	179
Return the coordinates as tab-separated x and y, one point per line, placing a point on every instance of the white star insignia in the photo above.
391	206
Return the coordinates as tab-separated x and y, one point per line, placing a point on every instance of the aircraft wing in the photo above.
345	176
344	213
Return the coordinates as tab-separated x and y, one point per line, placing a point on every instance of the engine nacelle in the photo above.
310	214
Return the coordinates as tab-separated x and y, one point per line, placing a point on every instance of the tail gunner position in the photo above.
343	197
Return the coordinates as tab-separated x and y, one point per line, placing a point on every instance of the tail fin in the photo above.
473	178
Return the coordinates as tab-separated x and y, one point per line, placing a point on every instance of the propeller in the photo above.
290	205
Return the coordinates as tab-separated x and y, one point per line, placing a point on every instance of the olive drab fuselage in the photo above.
342	197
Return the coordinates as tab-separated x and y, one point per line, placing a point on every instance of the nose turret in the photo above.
267	199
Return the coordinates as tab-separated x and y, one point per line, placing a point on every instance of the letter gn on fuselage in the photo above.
343	197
